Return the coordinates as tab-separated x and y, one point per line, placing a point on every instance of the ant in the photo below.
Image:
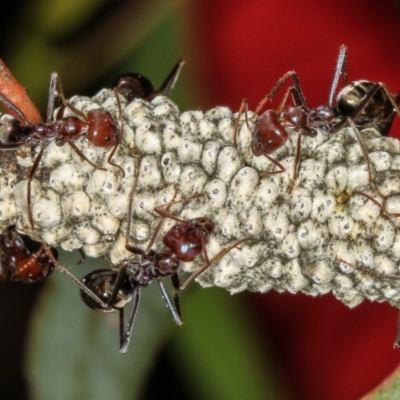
385	277
101	129
360	104
23	259
184	242
133	85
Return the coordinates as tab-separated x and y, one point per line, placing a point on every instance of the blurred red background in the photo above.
325	350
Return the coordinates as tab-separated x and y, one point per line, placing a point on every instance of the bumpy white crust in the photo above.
308	240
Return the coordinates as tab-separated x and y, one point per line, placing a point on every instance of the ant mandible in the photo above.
360	104
136	86
101	129
184	243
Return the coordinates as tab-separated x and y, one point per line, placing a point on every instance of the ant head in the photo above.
101	283
102	130
133	86
268	134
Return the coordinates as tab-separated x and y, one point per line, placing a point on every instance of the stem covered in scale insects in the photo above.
341	212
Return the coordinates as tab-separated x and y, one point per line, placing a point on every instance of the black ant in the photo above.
135	86
385	277
99	125
25	260
184	243
360	104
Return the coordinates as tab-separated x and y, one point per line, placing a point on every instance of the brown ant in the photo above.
23	259
360	104
101	129
27	260
184	242
135	86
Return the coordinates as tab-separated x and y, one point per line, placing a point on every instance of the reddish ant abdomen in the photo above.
23	259
34	268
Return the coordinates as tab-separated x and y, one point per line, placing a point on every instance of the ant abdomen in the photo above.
101	282
133	86
34	268
377	112
23	259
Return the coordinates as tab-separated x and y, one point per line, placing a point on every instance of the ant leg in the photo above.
176	284
356	113
121	318
366	156
383	277
81	155
278	84
130	205
397	340
133	249
378	204
161	210
68	274
386	277
80	261
296	163
295	97
29	188
55	90
206	266
384	127
125	336
119	135
340	70
277	163
116	286
175	312
170	80
243	106
8	105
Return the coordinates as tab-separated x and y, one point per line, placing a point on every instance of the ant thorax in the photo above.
342	206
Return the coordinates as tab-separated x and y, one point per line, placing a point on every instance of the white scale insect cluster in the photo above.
309	240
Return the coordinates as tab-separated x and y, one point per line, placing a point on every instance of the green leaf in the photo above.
389	389
217	351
